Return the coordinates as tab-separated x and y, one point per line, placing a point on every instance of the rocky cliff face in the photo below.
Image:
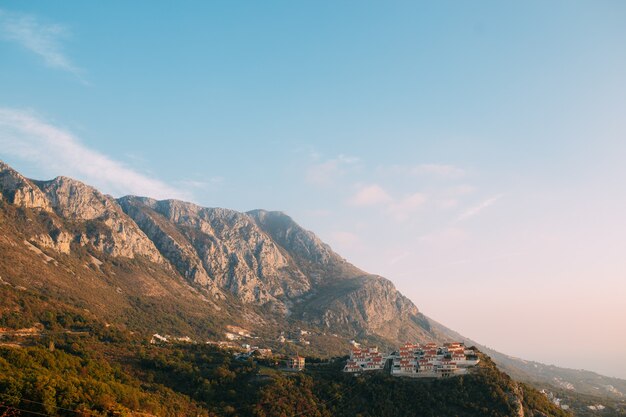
303	245
255	259
265	258
219	247
95	219
312	256
18	190
343	296
176	267
108	228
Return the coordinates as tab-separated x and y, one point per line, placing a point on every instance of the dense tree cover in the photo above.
77	365
485	393
57	382
205	373
96	377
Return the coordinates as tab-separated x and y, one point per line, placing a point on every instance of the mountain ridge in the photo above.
175	266
256	259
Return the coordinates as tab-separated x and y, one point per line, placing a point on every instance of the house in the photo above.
445	368
355	343
157	339
365	359
352	366
296	363
431	361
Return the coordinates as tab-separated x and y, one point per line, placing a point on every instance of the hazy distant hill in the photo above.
173	267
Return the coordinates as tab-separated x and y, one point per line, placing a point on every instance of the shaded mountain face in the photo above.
219	248
252	269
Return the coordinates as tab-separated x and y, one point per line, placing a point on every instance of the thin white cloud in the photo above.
402	208
446	171
348	159
461	190
475	210
370	195
325	173
447	203
40	38
57	151
450	198
399	257
322	174
442	170
212	182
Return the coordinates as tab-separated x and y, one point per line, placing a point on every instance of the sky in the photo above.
471	152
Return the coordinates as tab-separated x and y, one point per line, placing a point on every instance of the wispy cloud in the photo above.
26	136
475	210
403	207
326	172
447	171
370	195
460	190
442	170
398	207
41	38
211	183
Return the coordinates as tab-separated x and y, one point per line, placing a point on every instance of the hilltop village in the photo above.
410	360
415	360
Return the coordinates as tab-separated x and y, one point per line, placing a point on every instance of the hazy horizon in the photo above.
473	154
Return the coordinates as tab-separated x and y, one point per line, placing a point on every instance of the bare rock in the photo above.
19	190
107	227
59	241
224	246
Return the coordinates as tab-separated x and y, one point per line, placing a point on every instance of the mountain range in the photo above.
175	268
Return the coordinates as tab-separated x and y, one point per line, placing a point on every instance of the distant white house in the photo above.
157	338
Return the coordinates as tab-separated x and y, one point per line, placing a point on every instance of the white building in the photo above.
432	361
366	359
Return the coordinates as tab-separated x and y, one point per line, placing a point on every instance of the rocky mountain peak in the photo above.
19	190
111	230
292	236
71	198
219	247
260	258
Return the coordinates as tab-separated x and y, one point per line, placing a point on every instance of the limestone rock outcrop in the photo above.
18	190
224	247
256	260
107	227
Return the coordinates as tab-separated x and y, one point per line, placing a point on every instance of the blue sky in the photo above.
472	149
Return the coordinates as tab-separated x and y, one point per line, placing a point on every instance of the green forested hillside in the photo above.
104	371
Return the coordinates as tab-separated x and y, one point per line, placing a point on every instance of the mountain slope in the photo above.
343	296
110	373
174	267
140	253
